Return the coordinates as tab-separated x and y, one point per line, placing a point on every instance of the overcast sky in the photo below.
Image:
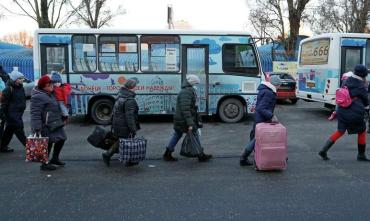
152	14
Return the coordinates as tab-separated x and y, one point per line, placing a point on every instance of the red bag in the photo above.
37	149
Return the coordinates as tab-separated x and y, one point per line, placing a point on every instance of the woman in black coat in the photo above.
13	104
351	119
125	119
47	120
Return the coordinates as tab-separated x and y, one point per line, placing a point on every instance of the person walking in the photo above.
351	119
266	100
47	120
13	105
185	118
125	119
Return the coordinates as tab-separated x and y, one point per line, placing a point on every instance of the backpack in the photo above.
342	97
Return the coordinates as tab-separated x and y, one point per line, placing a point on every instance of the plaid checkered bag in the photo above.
132	149
37	149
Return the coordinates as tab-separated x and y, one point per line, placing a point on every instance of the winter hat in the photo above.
55	77
130	83
43	81
192	79
361	70
275	80
15	75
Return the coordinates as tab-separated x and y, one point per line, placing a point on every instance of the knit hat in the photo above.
275	80
192	79
43	81
15	75
130	83
361	70
55	77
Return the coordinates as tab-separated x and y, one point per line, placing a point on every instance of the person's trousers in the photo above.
57	148
250	146
176	136
9	131
361	137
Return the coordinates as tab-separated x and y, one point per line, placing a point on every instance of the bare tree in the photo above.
269	17
296	10
94	13
47	13
341	16
21	38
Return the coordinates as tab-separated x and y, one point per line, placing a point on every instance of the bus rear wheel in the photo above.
231	110
101	111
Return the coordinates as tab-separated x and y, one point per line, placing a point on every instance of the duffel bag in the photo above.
101	138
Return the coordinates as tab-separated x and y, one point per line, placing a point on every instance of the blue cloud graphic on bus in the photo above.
211	61
55	39
214	48
224	38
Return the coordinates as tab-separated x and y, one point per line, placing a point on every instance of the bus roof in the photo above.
329	35
138	31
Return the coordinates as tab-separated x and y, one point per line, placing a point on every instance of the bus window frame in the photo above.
245	69
117	53
72	55
149	53
367	54
316	39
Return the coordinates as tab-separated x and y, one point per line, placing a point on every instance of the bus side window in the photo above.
84	53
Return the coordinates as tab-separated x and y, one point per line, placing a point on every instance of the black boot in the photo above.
47	166
244	159
361	153
167	156
55	159
107	155
323	153
204	157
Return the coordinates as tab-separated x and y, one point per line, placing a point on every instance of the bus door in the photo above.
195	61
54	57
351	56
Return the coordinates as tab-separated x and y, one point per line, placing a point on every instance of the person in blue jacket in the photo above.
265	106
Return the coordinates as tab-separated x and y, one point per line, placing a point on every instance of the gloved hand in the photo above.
38	133
274	119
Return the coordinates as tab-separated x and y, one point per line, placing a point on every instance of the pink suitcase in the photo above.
270	152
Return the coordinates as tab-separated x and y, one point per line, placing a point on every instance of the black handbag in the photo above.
55	125
101	138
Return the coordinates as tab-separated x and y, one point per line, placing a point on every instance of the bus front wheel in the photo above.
101	111
231	110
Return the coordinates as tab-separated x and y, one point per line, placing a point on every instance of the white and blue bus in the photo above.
97	62
322	61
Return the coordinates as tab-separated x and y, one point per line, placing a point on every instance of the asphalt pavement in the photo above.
310	189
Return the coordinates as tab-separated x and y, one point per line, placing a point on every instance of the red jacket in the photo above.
62	93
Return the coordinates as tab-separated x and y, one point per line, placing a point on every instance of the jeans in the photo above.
250	146
174	140
63	108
